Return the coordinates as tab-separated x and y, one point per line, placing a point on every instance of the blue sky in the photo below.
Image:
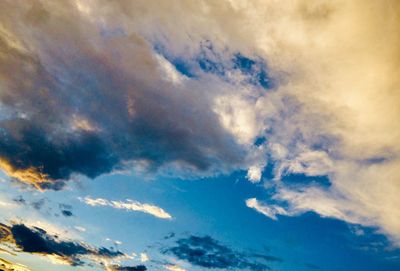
210	207
186	135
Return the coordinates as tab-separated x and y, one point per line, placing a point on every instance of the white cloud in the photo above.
268	210
169	71
129	205
254	174
144	257
172	267
80	228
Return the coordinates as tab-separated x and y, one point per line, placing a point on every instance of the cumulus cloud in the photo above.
129	205
119	85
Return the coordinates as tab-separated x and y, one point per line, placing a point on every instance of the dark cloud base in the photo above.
74	108
129	268
206	252
37	241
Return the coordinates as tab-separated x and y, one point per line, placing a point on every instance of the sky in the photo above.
200	135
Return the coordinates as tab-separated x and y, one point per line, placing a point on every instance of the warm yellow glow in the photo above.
174	267
9	266
30	175
80	123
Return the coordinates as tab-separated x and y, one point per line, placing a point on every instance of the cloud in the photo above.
254	174
206	252
99	87
126	268
53	114
172	267
144	257
66	213
270	211
80	228
66	210
44	205
37	241
9	266
129	205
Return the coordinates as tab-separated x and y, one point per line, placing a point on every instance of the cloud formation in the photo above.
129	205
173	267
84	111
270	211
10	266
206	252
126	268
37	241
88	90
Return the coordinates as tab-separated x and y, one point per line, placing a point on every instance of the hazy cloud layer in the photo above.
89	87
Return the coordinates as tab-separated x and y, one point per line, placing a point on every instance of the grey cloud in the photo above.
37	241
206	252
128	268
82	103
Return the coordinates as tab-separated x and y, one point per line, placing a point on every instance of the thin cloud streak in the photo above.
129	205
268	210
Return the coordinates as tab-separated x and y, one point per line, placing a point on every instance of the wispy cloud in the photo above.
129	205
268	210
173	267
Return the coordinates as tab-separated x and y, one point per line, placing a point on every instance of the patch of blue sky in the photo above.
294	179
182	65
255	69
260	141
211	61
215	206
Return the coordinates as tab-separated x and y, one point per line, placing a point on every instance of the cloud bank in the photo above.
90	87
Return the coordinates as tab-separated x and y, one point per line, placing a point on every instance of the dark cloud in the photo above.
38	204
77	101
37	241
44	205
27	146
66	209
128	268
66	213
20	200
204	251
